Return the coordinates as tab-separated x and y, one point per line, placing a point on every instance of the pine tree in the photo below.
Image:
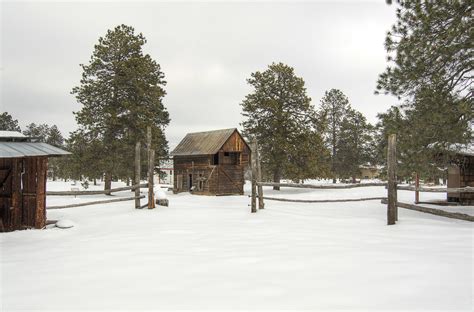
121	92
354	146
280	115
430	68
39	132
334	107
7	123
430	45
55	137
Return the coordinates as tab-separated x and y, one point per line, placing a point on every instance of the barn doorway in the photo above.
190	182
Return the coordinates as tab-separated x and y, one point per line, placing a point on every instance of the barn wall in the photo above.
23	194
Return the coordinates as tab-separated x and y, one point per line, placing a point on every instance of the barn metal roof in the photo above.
202	143
29	149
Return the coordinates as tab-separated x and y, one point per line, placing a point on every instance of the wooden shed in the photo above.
211	163
23	173
461	174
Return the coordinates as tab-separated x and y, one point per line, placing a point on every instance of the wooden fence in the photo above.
391	186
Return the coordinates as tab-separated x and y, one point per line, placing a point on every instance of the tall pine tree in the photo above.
334	107
121	92
279	114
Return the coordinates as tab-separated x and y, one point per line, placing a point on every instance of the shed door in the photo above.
454	180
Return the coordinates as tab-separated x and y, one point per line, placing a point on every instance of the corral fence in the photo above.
98	192
391	185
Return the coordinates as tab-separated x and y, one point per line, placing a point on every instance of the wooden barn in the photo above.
461	174
23	174
211	163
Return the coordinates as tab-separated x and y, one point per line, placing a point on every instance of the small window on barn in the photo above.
226	154
216	159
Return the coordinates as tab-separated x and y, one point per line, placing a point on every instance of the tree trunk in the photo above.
353	179
276	179
108	183
95	181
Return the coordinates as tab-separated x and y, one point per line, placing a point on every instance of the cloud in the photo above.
206	50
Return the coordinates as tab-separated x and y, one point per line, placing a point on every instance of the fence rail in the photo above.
323	200
438	212
114	190
321	186
437	190
95	202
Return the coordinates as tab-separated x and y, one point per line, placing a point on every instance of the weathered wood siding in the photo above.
23	193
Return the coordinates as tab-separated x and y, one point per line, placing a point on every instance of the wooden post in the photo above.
392	179
417	186
151	170
137	175
261	205
254	176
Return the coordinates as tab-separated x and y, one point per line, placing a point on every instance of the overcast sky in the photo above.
207	50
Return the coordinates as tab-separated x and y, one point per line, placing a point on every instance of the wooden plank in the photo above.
323	200
40	213
261	204
114	190
467	189
438	212
151	167
392	179
254	177
322	186
137	174
95	202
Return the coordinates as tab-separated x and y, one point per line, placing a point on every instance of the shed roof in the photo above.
29	149
202	143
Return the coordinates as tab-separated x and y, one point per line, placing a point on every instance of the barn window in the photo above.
226	154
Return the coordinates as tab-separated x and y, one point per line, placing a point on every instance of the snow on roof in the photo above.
462	149
11	134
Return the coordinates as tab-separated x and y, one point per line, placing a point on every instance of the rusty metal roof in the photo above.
202	143
29	149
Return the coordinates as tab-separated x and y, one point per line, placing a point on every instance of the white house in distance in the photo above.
166	175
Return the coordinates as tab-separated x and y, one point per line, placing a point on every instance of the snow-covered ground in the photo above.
206	252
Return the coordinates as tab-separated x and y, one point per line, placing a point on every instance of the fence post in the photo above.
392	179
151	168
261	205
137	175
417	186
253	162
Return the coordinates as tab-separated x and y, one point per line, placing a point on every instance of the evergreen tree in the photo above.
280	115
55	137
121	92
334	107
7	123
355	145
430	44
426	129
39	132
430	67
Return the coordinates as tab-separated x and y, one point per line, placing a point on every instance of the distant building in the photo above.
461	174
211	163
369	172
